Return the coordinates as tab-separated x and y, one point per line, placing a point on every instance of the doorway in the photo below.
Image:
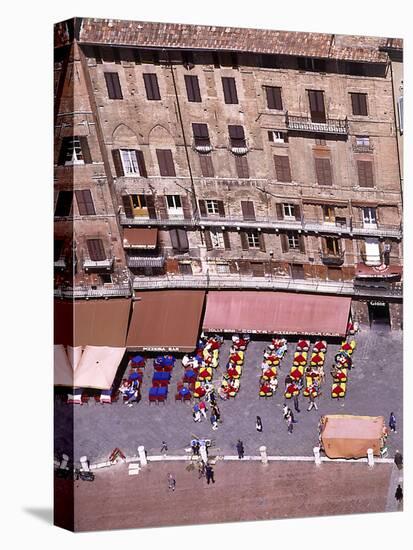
379	314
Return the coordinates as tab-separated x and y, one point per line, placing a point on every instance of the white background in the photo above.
26	272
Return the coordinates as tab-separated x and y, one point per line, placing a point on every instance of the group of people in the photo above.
200	410
231	378
339	370
273	354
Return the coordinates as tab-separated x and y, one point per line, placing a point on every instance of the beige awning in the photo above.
140	237
63	371
97	367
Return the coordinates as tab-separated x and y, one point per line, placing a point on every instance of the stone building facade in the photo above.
256	159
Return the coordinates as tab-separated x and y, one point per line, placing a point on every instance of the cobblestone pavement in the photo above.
242	491
374	388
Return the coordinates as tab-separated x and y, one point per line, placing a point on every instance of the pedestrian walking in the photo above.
214	423
164	447
209	472
240	448
392	423
258	424
296	404
398	459
290	424
312	404
203	409
196	413
195	447
171	482
399	494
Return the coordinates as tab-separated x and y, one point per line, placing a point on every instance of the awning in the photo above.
91	322
63	371
348	436
276	312
97	367
140	237
380	271
166	320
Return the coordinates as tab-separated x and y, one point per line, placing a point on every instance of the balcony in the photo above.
358	148
145	261
98	265
305	124
103	291
332	258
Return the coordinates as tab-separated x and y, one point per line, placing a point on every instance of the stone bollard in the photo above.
370	457
317	457
84	464
64	462
142	455
263	453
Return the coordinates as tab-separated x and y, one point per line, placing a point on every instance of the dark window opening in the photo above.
230	90
237	136
274	99
192	88
113	85
151	86
359	104
201	134
64	204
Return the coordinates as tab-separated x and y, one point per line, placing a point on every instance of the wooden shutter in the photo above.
274	99
151	86
96	250
244	240
323	171
221	209
87	159
166	163
174	239
85	202
365	173
63	151
64	203
182	240
297	212
202	208
207	168
301	242
186	207
113	86
192	88
117	163
208	240
284	242
359	104
150	204
241	165
262	241
127	206
280	211
317	109
160	202
282	168
230	90
141	163
227	242
248	211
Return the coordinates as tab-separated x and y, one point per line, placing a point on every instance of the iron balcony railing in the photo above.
305	124
145	261
223	281
366	148
104	291
98	264
332	258
340	226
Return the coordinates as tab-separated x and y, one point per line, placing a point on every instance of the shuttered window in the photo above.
151	86
323	171
248	210
64	203
317	109
113	86
207	168
179	240
236	136
129	162
85	202
74	150
274	99
359	104
201	134
365	173
96	250
166	163
192	89
282	168
241	165
230	90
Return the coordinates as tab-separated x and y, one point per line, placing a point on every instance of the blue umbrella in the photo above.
134	376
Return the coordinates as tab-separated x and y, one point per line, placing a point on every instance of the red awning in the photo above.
141	237
381	272
276	312
166	320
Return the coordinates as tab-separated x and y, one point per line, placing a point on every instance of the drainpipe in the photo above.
397	130
196	212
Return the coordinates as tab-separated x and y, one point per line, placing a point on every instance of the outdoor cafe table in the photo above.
138	360
165	361
161	376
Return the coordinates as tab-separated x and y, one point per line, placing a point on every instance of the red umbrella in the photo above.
300	359
295	374
303	345
320	346
317	359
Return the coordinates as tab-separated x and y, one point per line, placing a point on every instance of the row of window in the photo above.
131	162
229	88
